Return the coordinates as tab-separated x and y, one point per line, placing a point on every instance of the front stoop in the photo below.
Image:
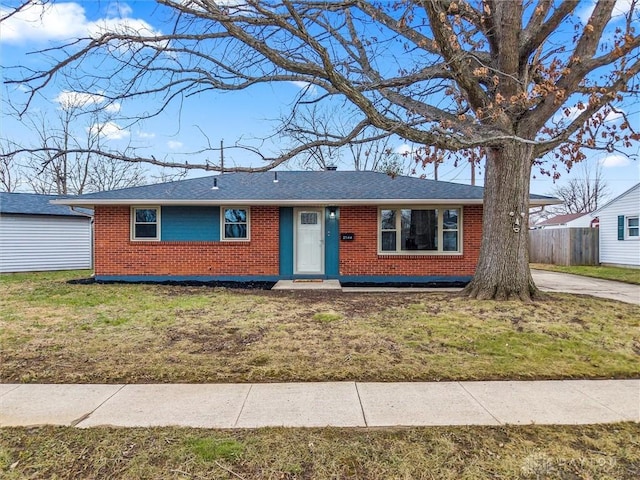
312	284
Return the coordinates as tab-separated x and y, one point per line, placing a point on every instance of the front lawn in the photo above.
626	275
507	452
53	331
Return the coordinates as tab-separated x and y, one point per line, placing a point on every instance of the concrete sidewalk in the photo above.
339	404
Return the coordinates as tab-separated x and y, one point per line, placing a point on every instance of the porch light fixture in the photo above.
332	212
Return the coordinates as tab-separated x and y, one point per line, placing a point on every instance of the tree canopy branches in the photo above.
452	74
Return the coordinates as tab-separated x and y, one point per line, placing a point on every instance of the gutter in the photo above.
290	203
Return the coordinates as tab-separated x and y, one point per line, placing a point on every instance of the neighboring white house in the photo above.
619	229
570	220
38	236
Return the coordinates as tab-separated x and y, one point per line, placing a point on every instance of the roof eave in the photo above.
291	203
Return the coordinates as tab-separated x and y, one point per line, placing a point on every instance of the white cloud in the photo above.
622	7
109	131
613	116
566	115
174	145
612	161
119	9
309	87
404	149
68	99
113	107
43	22
146	135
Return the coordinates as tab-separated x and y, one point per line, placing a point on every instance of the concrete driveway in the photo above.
565	282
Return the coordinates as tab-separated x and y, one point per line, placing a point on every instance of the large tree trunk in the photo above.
503	265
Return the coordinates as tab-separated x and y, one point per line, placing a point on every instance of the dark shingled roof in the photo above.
34	204
297	187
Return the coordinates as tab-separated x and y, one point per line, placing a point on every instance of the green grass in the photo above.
213	448
505	452
327	317
54	331
620	274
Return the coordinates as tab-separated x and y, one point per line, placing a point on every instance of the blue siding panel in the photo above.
190	224
286	241
331	244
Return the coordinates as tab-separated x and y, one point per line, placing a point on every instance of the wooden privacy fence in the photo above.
564	246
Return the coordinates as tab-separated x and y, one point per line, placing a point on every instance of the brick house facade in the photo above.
118	256
357	227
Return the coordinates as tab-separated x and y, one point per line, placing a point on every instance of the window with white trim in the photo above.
145	223
633	227
235	223
419	230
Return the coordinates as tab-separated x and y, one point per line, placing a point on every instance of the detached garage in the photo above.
38	236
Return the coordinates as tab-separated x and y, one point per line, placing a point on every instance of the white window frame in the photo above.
134	223
223	238
398	230
627	227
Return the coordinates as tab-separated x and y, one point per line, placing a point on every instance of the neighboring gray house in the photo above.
619	229
36	235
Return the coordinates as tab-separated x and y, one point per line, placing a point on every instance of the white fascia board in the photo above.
289	203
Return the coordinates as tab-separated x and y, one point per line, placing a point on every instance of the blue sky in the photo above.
234	116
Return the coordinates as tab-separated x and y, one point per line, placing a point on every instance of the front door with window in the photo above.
309	242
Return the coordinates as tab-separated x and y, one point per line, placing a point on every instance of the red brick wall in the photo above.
361	257
116	254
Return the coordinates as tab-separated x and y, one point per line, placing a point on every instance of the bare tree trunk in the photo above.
503	265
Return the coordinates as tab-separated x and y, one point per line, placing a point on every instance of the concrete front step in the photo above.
311	284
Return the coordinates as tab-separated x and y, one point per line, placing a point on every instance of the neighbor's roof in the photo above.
295	188
34	204
560	219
